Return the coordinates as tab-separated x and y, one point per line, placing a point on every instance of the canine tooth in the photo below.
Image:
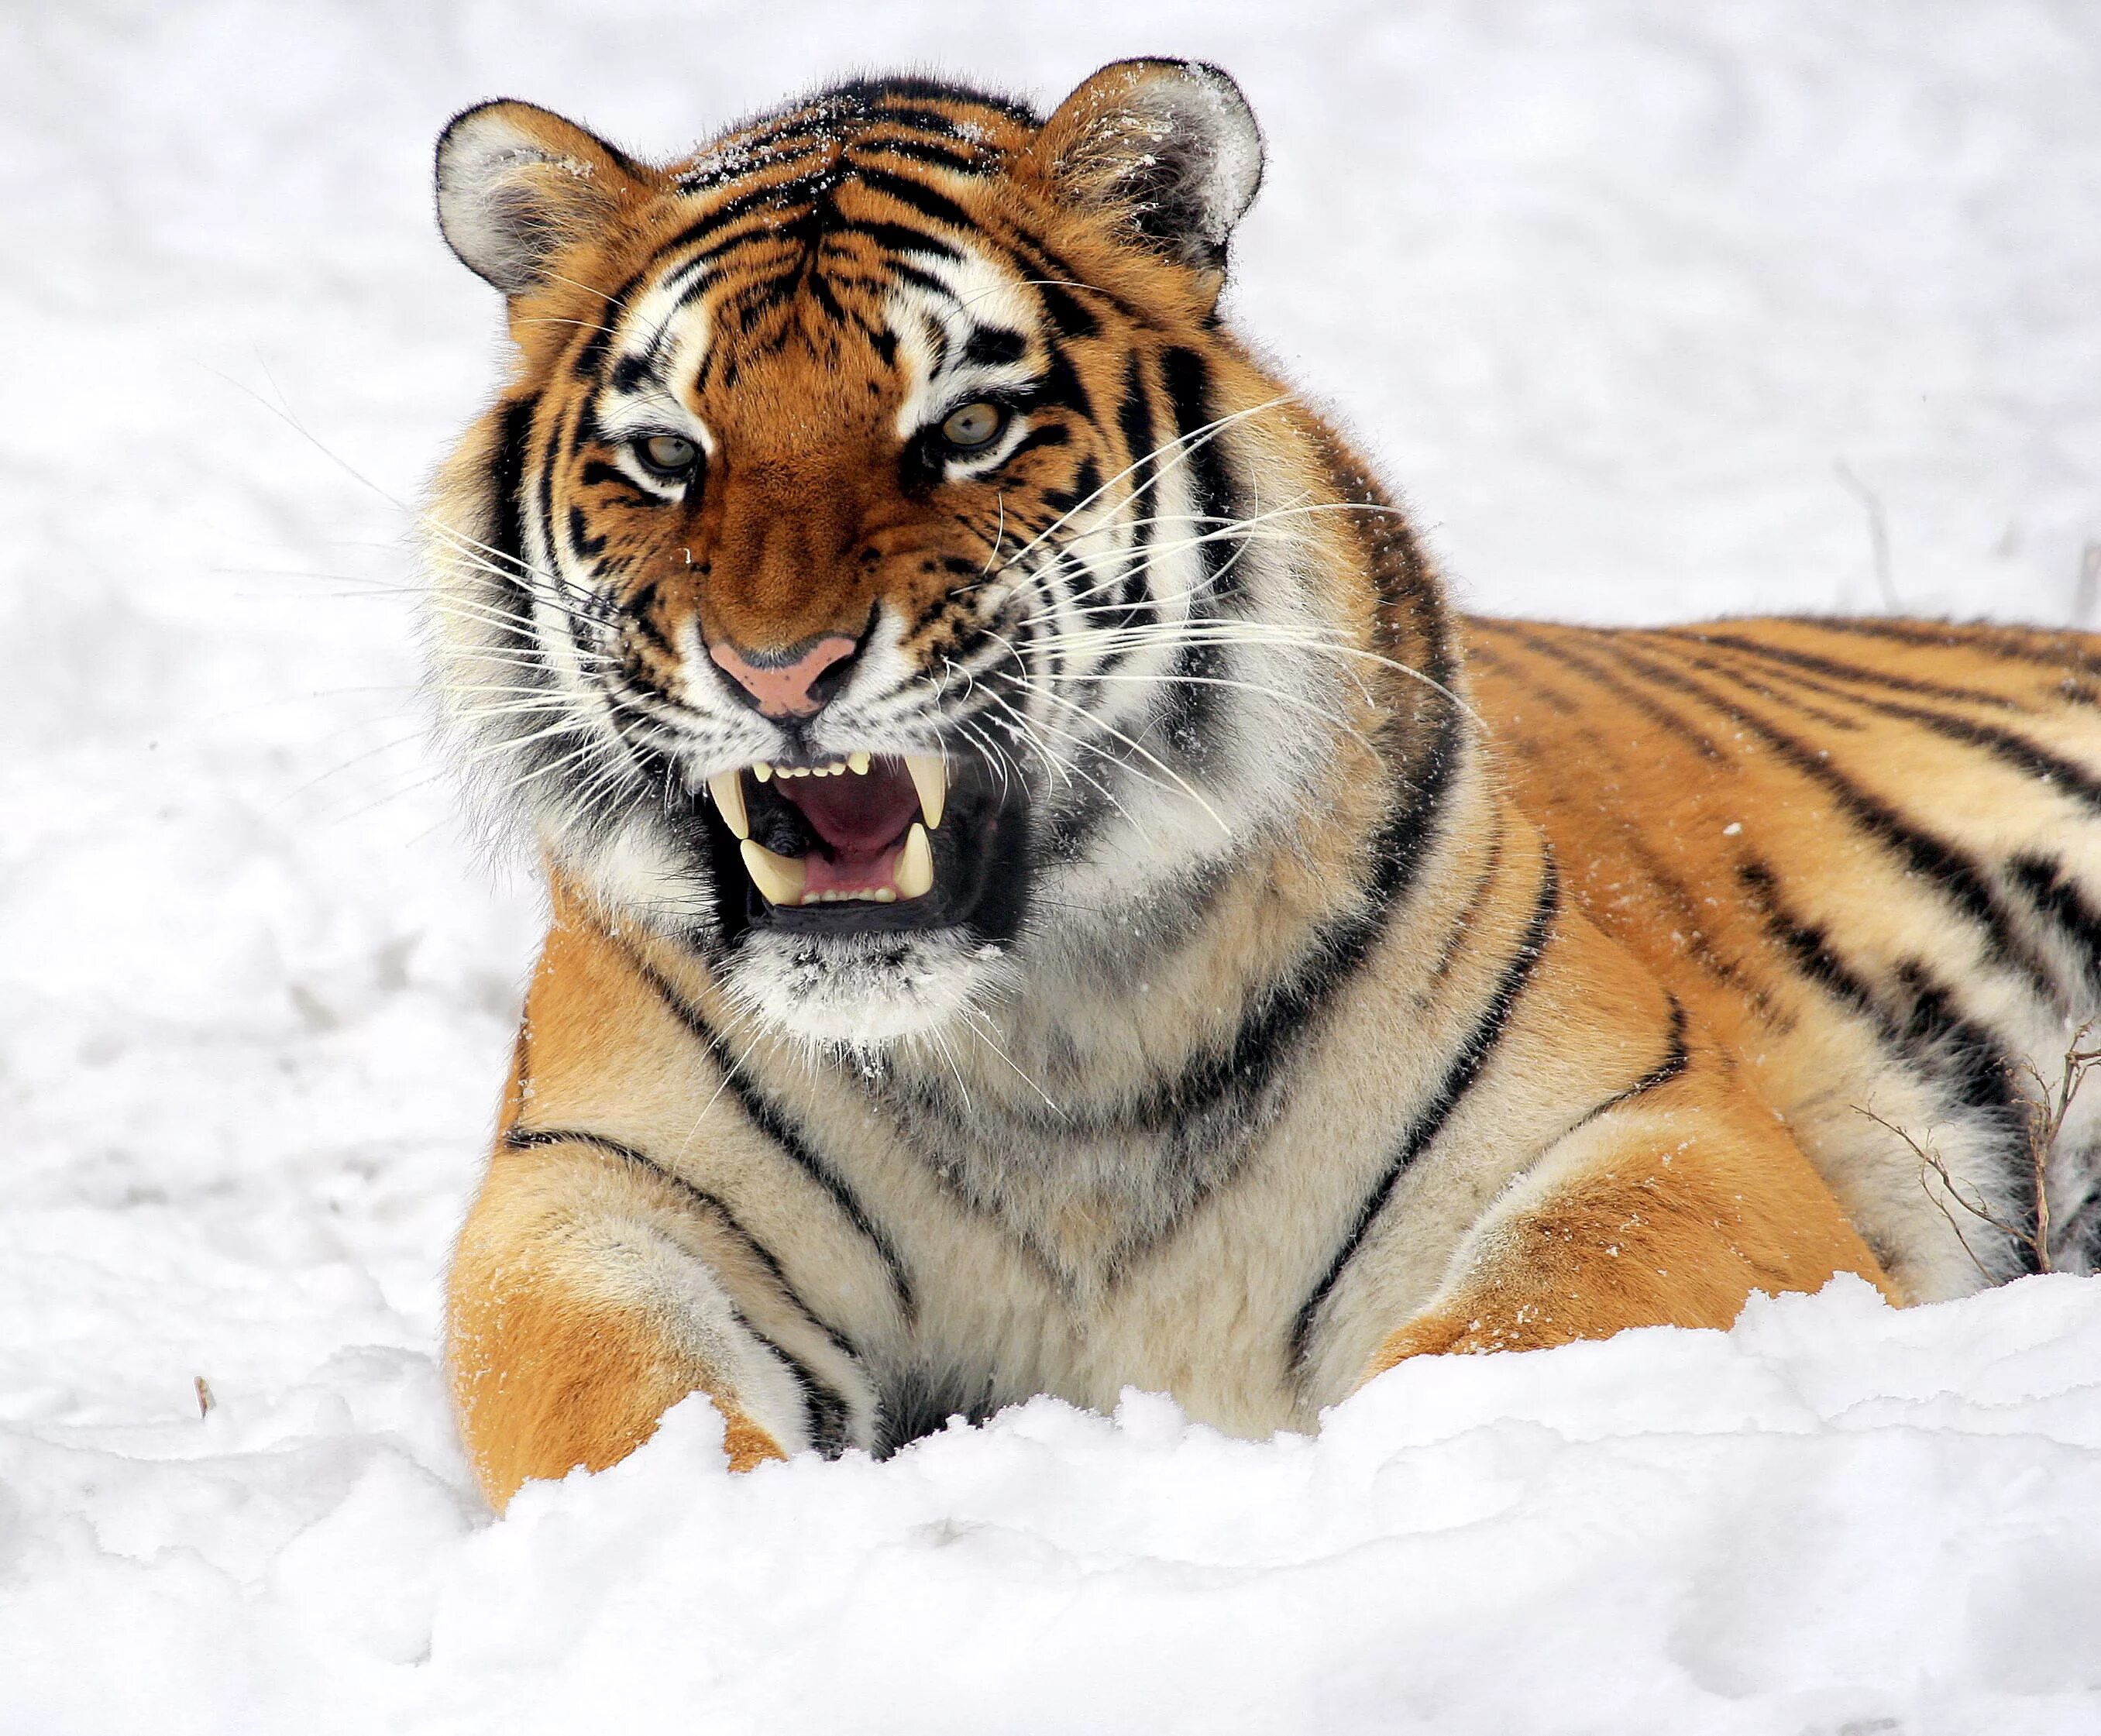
915	865
858	764
779	879
728	788
762	771
930	777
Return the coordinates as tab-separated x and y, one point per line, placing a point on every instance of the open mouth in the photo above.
870	842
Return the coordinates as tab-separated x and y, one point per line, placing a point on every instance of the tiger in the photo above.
1047	895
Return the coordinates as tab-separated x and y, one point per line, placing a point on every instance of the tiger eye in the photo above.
668	454
974	425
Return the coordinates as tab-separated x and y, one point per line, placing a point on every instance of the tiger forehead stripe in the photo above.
754	249
909	118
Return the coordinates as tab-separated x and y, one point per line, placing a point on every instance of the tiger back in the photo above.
1864	851
1045	895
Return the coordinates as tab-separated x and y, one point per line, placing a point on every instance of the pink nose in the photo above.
782	686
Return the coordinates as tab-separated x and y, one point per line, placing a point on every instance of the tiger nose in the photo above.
784	684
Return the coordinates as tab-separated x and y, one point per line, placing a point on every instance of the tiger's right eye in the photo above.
667	454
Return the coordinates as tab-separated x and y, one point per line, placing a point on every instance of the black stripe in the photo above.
2059	896
882	96
1086	483
900	237
638	617
824	1412
1069	316
506	534
544	496
788	233
2070	652
1050	434
1134	421
1267	1038
1060	386
584	547
597	473
776	1125
521	1139
1754	679
1042	261
1675	1061
1919	1021
1460	1074
1808	946
1959	879
2028	756
994	345
1187	379
904	271
631	371
1480	656
1677	1058
773	195
1842	671
888	111
593	343
1194	695
1672	722
1967	1052
925	151
918	1401
1463	925
937	206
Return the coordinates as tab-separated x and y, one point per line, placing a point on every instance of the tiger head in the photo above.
883	572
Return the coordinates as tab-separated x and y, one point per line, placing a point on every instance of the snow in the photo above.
1615	290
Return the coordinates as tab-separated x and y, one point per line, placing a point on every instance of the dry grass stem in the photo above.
2046	1108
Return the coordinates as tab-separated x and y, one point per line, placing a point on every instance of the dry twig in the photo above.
2045	1109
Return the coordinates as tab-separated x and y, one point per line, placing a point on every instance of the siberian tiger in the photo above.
1047	898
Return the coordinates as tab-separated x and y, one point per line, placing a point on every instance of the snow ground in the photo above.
1614	289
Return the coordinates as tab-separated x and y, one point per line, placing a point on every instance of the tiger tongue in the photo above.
856	815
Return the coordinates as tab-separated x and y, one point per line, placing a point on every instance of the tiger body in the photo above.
1279	976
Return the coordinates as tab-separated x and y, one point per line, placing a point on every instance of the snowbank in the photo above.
1836	1517
1613	289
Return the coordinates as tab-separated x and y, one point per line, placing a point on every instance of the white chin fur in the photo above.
864	990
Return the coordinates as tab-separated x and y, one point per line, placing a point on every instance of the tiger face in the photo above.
864	578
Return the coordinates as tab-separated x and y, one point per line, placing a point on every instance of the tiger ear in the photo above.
517	184
1168	147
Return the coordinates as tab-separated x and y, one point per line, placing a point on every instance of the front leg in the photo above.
1672	1214
586	1300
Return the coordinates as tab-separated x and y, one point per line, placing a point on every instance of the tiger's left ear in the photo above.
1169	148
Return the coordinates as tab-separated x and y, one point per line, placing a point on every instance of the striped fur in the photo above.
1342	980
